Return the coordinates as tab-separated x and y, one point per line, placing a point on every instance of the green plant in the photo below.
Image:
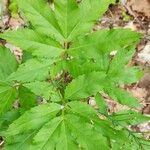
66	64
13	8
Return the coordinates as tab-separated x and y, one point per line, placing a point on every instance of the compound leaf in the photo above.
60	46
79	127
63	20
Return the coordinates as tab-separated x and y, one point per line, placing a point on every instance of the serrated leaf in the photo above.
58	25
31	70
21	141
134	142
118	69
27	99
123	56
41	16
33	119
69	130
44	89
82	109
87	113
7	118
85	134
93	44
44	141
122	96
58	21
22	138
65	131
8	63
128	75
61	31
129	117
75	67
7	96
85	85
33	42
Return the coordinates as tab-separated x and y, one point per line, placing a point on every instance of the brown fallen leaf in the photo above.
146	109
141	6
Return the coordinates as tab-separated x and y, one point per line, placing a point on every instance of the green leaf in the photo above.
13	8
7	118
136	143
8	63
89	114
86	134
85	85
42	17
60	44
101	104
31	70
70	131
77	127
44	89
118	70
33	119
27	99
46	141
66	20
21	141
7	96
94	44
75	67
134	74
123	56
33	42
85	12
20	134
129	117
55	29
81	109
65	132
121	96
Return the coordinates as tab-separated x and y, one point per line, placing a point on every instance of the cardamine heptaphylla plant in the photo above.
64	64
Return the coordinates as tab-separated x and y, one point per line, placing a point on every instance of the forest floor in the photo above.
133	14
